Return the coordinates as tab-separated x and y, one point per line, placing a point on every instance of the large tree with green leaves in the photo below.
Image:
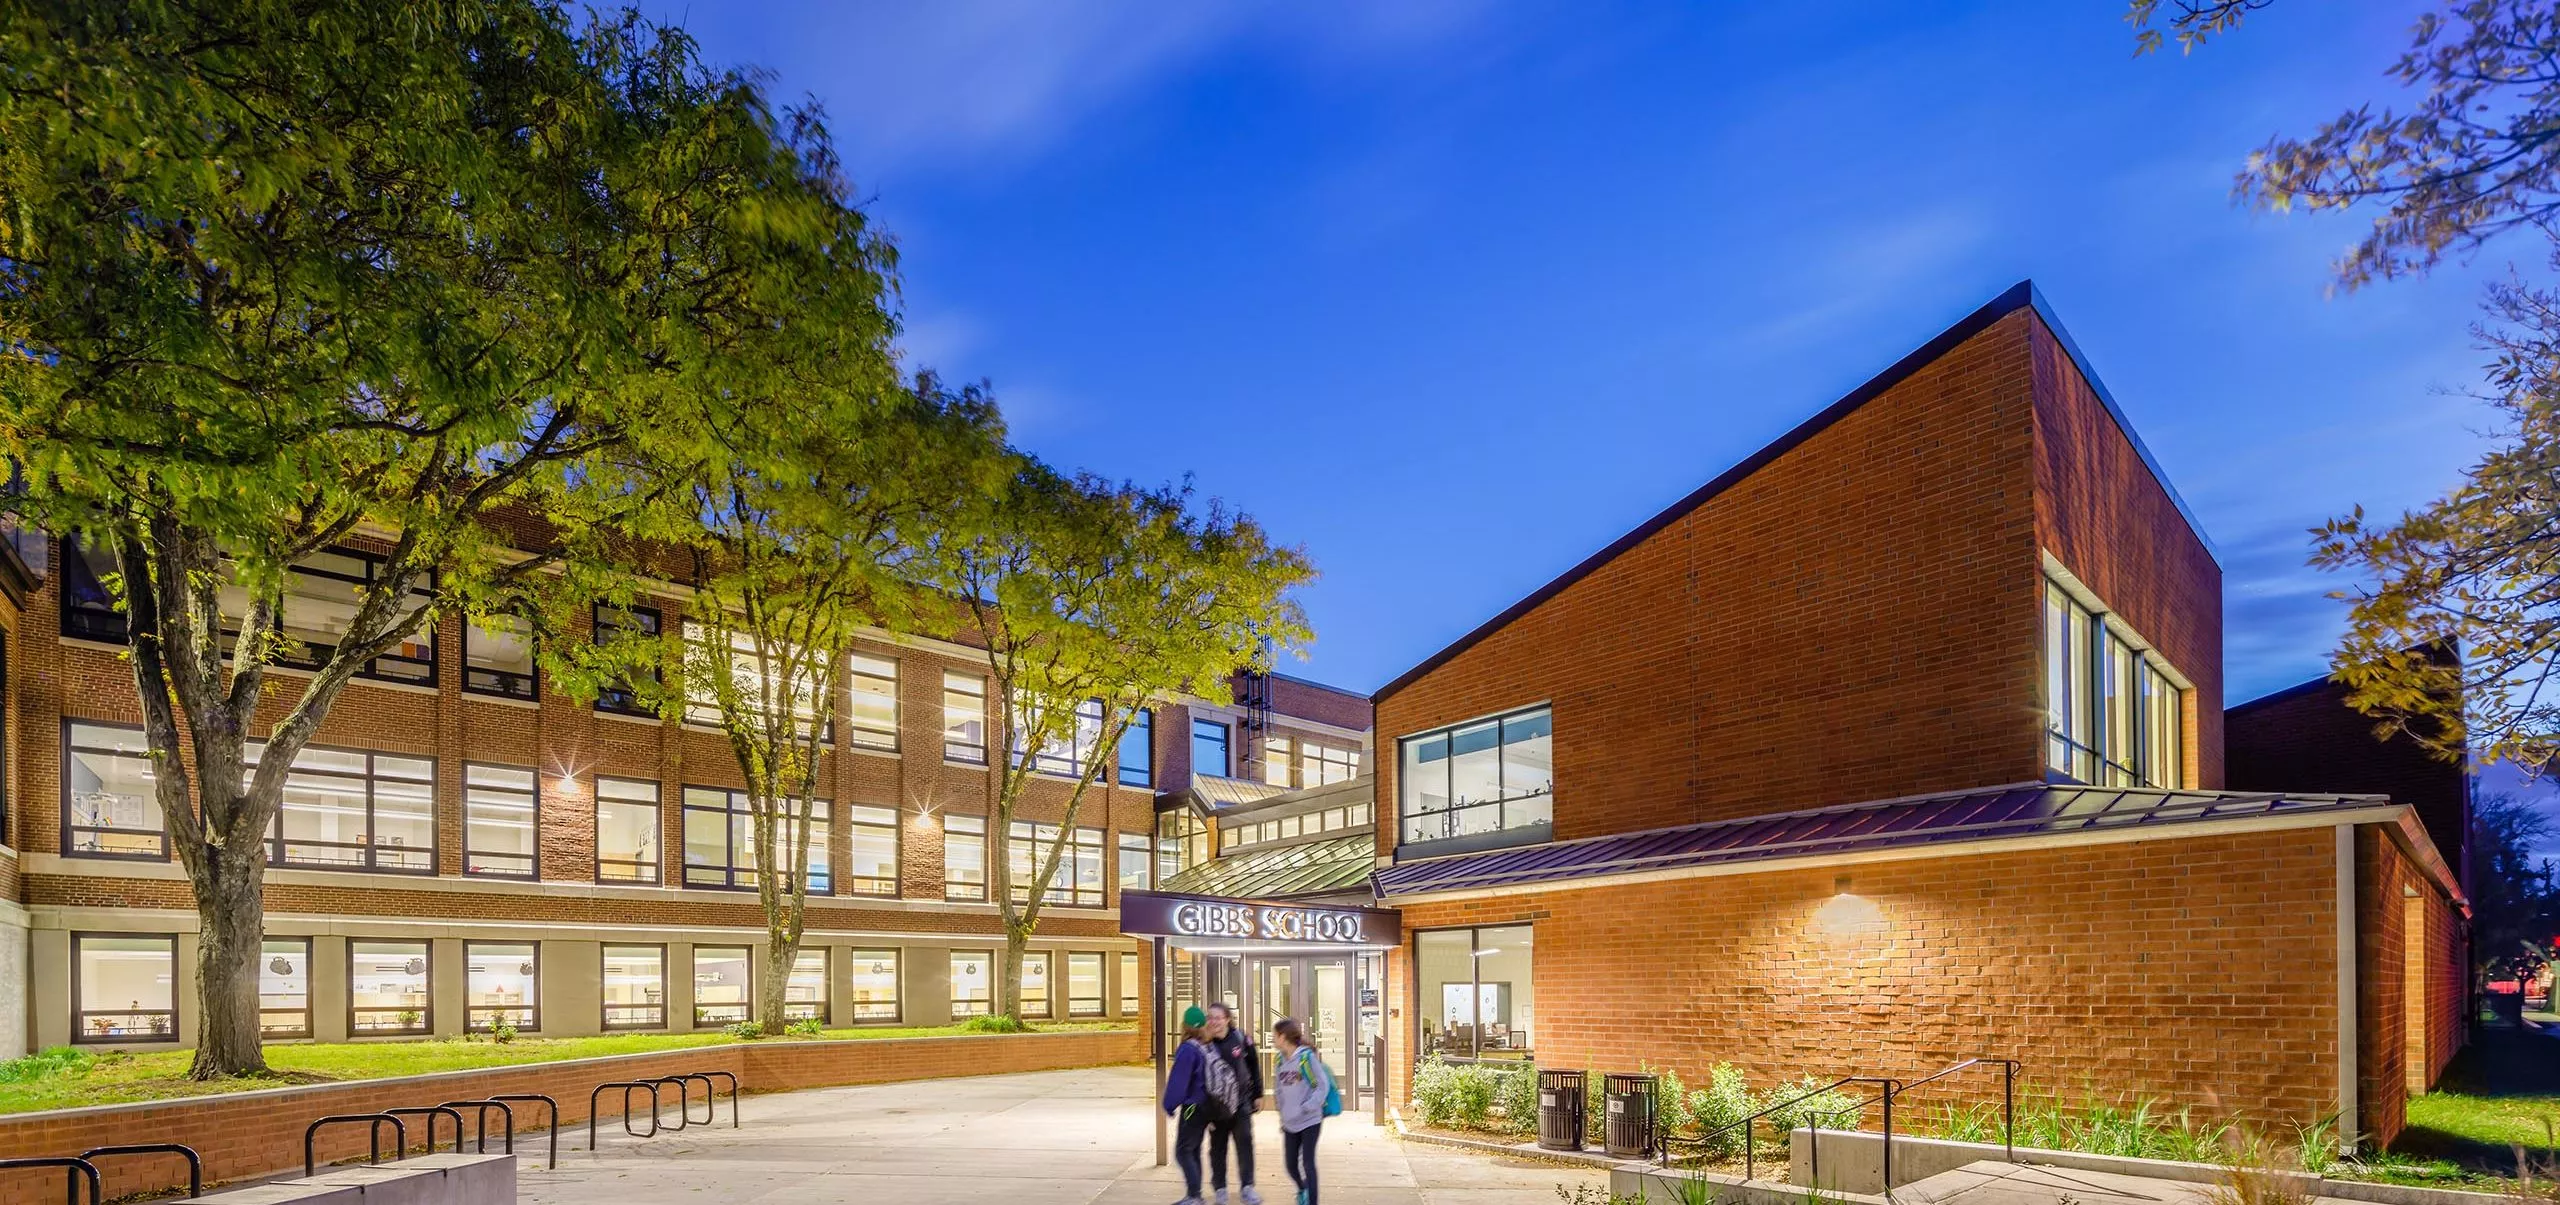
275	274
1092	601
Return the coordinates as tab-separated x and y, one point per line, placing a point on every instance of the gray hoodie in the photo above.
1301	1081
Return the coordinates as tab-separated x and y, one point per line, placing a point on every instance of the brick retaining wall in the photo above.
244	1135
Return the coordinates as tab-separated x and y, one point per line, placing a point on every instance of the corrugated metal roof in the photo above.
1214	794
2021	810
1335	864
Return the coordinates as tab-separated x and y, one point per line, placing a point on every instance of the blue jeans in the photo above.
1190	1127
1238	1130
1298	1151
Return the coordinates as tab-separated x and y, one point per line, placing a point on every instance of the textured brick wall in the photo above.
257	1134
2196	971
2409	983
2306	738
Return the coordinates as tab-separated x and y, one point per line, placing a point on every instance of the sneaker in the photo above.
1302	1196
1251	1197
1222	1196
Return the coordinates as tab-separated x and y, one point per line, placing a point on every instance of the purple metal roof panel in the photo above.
2023	810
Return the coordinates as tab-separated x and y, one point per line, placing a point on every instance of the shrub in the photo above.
1434	1087
1515	1099
1720	1106
1471	1103
807	1027
995	1023
743	1029
1671	1103
1830	1108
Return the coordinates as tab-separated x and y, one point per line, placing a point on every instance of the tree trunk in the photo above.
230	920
780	953
1009	978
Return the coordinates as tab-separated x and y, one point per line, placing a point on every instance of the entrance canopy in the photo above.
1209	924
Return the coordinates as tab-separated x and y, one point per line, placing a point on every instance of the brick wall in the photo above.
246	1135
2196	971
2409	983
2306	738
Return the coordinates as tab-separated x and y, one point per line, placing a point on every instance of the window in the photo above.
497	657
804	995
964	718
2113	715
124	987
1065	758
284	987
875	985
1476	991
498	811
720	840
502	981
1137	856
89	608
614	623
109	805
1209	749
1182	842
875	703
1035	984
322	596
1321	764
1479	778
1078	881
626	831
1138	750
351	810
798	690
1275	761
635	987
964	858
1084	985
972	985
387	988
720	985
1129	985
875	851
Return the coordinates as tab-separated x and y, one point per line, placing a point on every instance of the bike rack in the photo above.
74	1171
432	1112
399	1132
480	1122
628	1086
715	1101
195	1164
684	1101
553	1105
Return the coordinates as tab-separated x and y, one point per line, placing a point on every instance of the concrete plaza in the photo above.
1048	1138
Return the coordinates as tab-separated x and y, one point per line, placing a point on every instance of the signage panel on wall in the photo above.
1208	920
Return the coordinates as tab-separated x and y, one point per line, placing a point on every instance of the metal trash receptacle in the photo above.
1629	1100
1560	1110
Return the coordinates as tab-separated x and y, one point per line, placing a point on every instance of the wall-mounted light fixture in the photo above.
1847	913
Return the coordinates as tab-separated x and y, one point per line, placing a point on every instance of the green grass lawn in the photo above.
2501	1092
66	1077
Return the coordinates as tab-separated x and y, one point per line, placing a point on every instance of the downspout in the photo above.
2349	1050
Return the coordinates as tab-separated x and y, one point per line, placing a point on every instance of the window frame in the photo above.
1141	727
1070	857
277	841
624	699
897	985
69	830
1142	846
740	810
868	737
1225	740
1047	961
523	686
426	1016
265	1033
1131	1000
1101	985
1504	831
657	806
983	893
822	1008
966	686
872	886
985	1007
1423	1012
471	1021
746	1007
2108	672
80	1016
533	799
604	1019
83	617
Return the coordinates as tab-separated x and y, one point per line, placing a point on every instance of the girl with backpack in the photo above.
1307	1095
1186	1099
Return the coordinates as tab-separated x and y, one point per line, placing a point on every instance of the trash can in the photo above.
1560	1110
1629	1100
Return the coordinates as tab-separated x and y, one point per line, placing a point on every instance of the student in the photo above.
1230	1042
1304	1087
1186	1095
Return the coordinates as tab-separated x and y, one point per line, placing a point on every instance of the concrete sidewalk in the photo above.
1049	1138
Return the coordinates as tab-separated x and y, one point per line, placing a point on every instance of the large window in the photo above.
1084	985
1182	842
1479	778
109	808
1477	1000
89	607
1064	756
804	995
1137	857
720	985
972	983
796	690
322	596
964	858
875	985
1130	981
1138	750
284	987
1078	881
964	718
1209	749
874	722
388	988
124	987
351	810
1035	984
626	831
497	657
498	811
502	981
720	840
613	624
635	987
2114	716
875	851
1320	763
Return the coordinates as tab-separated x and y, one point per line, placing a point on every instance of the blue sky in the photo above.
1454	293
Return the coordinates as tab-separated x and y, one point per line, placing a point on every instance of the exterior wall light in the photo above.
1846	913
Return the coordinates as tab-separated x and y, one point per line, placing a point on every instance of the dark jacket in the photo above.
1184	1085
1238	1049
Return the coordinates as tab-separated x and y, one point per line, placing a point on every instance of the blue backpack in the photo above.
1332	1087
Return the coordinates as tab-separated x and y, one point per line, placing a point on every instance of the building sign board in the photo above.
1210	919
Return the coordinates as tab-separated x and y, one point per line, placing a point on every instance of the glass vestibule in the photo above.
1474	994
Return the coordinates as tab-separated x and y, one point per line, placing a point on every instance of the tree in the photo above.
1092	601
280	274
2515	905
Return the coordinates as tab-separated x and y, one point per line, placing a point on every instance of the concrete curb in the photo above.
1524	1150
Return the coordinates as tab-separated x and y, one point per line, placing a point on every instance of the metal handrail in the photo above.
2008	1101
195	1162
553	1105
480	1123
1663	1141
628	1087
733	1095
373	1134
73	1171
432	1112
